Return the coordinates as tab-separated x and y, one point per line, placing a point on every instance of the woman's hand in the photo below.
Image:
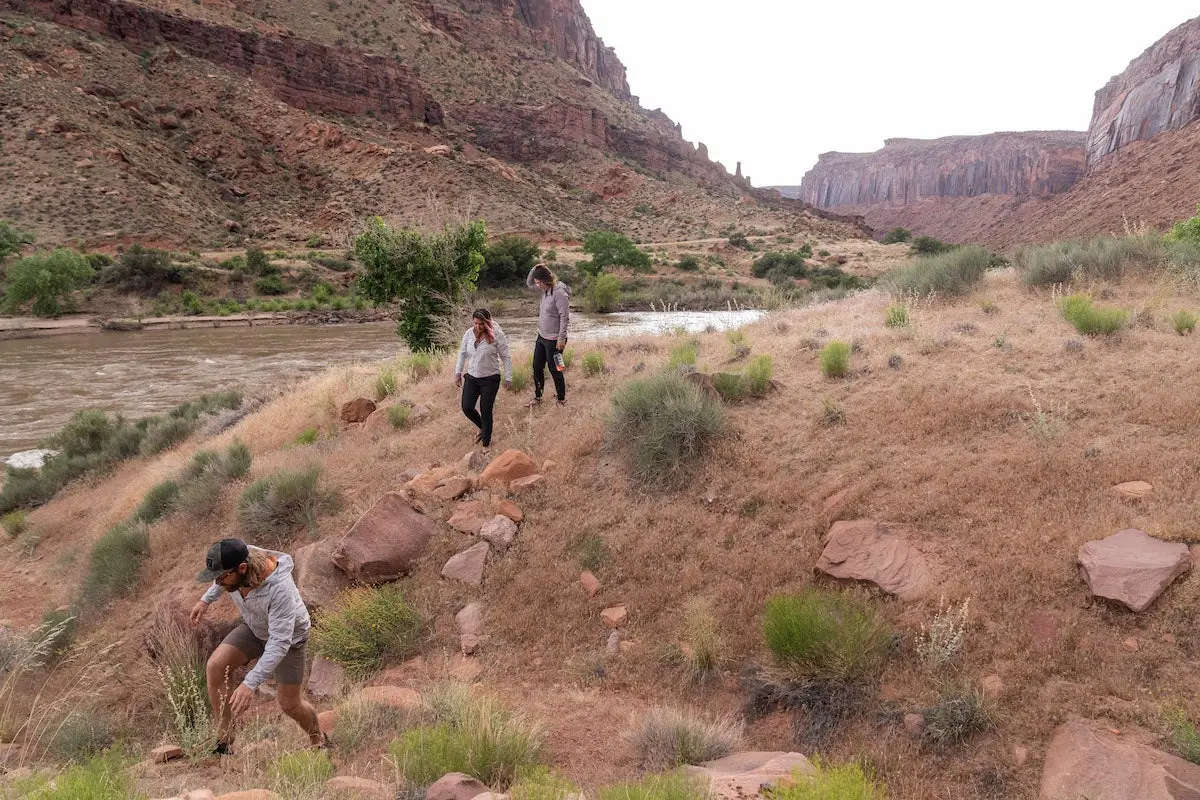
508	385
562	343
458	379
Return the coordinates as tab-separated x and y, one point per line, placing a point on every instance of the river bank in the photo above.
37	327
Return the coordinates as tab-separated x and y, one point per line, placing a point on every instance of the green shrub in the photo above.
838	782
835	359
271	285
273	508
158	502
166	433
675	785
102	778
731	386
666	738
507	262
1184	322
1092	320
929	246
143	270
116	562
603	294
48	279
307	436
608	248
684	354
13	523
826	635
758	375
366	625
897	316
950	274
792	264
12	239
898	236
237	461
472	735
1185	739
738	239
1098	258
593	363
957	715
385	384
81	735
301	773
1186	231
688	263
257	262
399	415
668	423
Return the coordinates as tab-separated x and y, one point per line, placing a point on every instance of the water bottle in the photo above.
559	364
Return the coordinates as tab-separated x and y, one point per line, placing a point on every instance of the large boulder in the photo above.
508	467
1131	567
744	775
1082	763
385	543
320	582
357	410
865	550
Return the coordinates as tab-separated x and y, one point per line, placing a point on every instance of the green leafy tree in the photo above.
508	261
143	270
12	239
603	294
427	273
1186	231
609	248
48	280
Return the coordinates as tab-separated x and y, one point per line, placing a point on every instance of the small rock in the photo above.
1132	567
165	753
589	582
325	679
992	686
327	720
613	646
469	643
233	226
914	724
1130	644
1133	490
528	483
470	619
468	565
1020	755
509	509
500	531
614	616
455	786
443	150
452	488
469	517
508	467
357	410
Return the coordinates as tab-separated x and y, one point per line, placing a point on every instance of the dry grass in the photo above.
666	738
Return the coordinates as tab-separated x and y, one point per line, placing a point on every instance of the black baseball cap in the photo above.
223	556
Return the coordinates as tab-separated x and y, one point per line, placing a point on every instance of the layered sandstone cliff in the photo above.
1158	91
907	171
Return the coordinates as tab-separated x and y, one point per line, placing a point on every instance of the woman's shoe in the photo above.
479	438
533	402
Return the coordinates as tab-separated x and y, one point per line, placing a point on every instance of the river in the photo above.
43	381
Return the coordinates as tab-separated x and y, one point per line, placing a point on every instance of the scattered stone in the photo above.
468	565
452	488
399	697
455	786
385	543
509	509
1131	645
614	616
470	623
443	150
744	775
992	686
252	794
233	226
319	581
475	461
326	679
1133	490
528	483
866	550
1020	755
613	646
589	582
168	122
364	788
1169	638
508	467
914	724
165	753
469	516
1131	567
1081	762
500	531
357	410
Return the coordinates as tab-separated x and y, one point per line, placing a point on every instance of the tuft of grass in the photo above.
683	356
675	785
668	424
592	551
101	778
399	415
1184	322
301	774
702	648
943	638
539	783
988	307
181	670
385	384
116	563
832	413
758	375
158	502
950	274
666	738
957	715
522	376
14	523
1185	739
307	436
731	386
81	735
897	316
273	508
54	636
364	626
1099	258
472	735
593	363
420	365
831	782
835	359
361	723
826	636
1092	320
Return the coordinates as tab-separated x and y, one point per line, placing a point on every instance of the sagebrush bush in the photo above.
826	635
758	375
897	316
948	274
668	424
835	359
116	562
539	783
674	785
158	502
472	735
593	363
666	738
364	626
1098	258
831	782
1184	322
898	236
731	386
272	509
1090	319
166	433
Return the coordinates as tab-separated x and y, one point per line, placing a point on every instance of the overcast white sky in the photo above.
774	83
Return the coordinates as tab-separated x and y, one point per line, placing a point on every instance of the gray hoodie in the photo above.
274	613
554	314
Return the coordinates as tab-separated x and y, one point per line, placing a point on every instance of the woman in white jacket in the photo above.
481	359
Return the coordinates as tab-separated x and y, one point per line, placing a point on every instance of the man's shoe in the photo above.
222	749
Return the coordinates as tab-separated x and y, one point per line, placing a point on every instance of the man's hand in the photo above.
198	612
458	379
508	385
241	699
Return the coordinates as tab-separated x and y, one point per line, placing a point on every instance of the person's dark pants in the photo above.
543	356
482	391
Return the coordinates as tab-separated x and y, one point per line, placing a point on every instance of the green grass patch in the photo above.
101	778
385	384
81	735
307	436
362	723
366	625
948	274
272	509
420	365
758	375
957	715
301	774
1090	319
116	563
1184	738
831	782
539	783
593	363
14	523
399	415
522	376
684	354
673	785
897	316
826	636
835	359
1184	322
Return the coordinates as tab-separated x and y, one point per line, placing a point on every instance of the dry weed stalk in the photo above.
938	643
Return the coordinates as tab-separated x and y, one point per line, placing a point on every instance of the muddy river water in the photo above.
43	381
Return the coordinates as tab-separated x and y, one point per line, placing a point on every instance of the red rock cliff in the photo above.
907	171
1158	91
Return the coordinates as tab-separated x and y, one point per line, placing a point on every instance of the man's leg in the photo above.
292	702
539	367
219	673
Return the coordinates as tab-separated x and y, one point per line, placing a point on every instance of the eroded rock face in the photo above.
1081	763
1158	91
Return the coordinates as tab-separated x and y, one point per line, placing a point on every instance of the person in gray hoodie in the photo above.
274	630
554	317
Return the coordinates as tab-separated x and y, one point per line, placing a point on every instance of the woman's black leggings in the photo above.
482	391
543	356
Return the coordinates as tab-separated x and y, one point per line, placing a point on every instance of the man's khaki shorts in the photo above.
289	671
